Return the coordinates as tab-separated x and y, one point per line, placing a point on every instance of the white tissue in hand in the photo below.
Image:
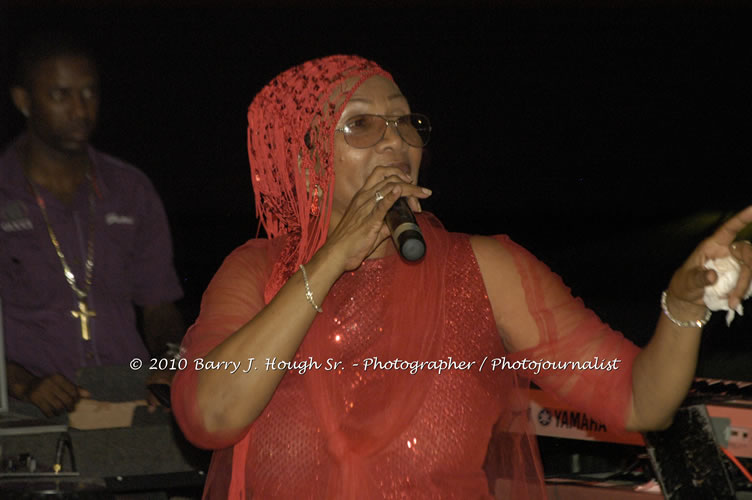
716	296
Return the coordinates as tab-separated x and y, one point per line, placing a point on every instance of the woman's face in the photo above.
352	166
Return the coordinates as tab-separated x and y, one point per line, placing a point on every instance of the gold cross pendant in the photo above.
83	314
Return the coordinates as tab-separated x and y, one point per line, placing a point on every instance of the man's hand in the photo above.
54	394
162	380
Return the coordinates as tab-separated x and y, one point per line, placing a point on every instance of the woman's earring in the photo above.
315	209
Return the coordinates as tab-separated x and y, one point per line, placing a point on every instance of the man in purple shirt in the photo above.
83	238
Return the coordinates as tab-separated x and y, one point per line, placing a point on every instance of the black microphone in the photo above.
405	231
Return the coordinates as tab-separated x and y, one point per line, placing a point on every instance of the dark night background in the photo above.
608	141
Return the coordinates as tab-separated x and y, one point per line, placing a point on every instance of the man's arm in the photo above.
163	323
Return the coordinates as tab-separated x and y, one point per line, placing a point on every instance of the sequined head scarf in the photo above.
291	126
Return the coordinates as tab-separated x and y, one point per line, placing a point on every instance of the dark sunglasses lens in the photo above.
364	131
415	129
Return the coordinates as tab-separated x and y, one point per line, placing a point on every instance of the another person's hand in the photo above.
361	228
685	292
160	378
54	394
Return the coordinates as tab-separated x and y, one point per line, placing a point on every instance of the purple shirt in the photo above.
132	265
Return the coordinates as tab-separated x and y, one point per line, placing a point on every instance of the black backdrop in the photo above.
607	140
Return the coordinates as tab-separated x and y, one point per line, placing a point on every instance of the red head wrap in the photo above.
291	126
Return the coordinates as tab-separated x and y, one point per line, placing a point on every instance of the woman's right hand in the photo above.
361	229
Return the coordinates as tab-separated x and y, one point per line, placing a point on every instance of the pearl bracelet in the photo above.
698	323
308	292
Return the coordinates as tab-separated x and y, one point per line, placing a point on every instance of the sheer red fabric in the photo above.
358	432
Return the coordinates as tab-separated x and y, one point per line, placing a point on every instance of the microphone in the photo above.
405	231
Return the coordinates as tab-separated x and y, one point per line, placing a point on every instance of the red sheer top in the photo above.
352	428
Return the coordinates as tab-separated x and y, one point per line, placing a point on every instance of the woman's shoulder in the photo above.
492	251
500	256
255	247
256	253
247	265
497	244
492	248
252	249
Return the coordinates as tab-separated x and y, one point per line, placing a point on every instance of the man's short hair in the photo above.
44	46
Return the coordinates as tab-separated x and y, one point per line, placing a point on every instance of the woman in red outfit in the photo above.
324	366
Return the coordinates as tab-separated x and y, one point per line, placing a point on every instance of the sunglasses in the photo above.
364	131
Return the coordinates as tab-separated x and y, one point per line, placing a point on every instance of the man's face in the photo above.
63	102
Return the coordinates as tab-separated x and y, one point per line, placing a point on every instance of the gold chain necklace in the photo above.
83	313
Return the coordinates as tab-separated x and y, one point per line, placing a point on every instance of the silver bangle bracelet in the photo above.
698	323
308	292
